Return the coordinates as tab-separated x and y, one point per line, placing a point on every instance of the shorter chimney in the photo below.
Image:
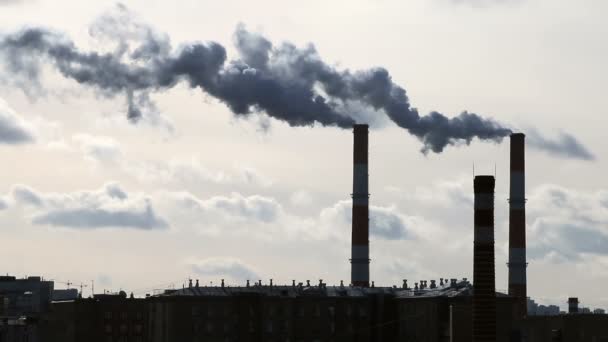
572	305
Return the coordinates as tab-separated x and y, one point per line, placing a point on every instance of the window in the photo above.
108	329
251	327
107	315
269	327
123	316
209	327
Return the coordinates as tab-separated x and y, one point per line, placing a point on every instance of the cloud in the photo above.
385	222
3	203
566	224
13	129
11	2
98	148
253	208
301	198
565	146
231	268
485	3
108	207
188	171
26	195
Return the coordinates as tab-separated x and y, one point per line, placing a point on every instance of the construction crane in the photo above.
69	285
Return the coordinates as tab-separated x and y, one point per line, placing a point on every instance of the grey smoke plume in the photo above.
566	146
287	83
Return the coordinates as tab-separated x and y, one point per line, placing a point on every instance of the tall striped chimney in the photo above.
360	230
517	225
484	292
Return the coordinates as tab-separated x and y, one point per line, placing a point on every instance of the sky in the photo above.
143	185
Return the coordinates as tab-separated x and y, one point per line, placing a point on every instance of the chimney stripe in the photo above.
484	287
517	225
360	214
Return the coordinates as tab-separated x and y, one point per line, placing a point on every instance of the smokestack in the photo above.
517	226
484	293
360	224
572	305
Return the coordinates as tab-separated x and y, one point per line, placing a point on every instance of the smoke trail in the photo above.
566	146
288	83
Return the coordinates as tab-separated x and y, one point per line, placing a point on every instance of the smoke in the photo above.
566	146
287	83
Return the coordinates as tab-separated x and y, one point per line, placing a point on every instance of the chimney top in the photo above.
484	184
360	127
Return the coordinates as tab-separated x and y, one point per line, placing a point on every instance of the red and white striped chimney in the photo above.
484	282
360	225
517	225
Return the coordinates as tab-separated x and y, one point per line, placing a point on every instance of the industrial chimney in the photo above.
517	226
484	293
572	305
360	224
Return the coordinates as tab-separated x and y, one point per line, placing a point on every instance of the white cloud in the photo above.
13	129
26	195
3	203
229	268
486	3
566	224
385	222
107	207
301	198
98	148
